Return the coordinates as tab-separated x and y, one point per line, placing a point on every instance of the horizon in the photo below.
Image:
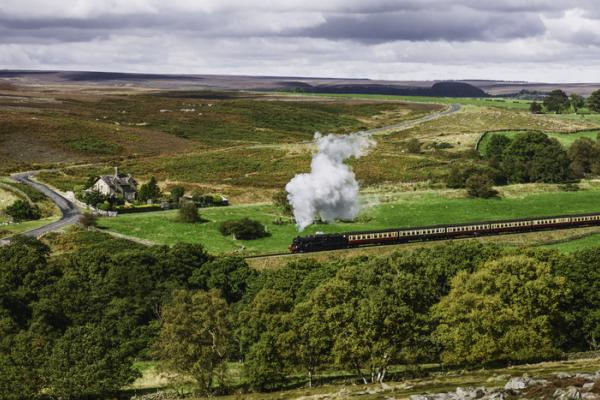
295	77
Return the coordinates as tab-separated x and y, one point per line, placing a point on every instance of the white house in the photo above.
116	185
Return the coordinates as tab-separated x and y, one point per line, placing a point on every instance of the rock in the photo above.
518	383
570	393
563	375
587	377
470	393
419	397
498	395
590	396
588	386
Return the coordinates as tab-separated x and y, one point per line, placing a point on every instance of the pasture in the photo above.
404	210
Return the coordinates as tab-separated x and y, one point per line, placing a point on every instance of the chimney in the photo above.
116	172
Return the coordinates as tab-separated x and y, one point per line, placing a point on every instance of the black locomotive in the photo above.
332	241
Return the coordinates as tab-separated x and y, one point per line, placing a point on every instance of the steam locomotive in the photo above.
332	241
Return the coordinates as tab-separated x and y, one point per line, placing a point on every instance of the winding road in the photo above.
71	214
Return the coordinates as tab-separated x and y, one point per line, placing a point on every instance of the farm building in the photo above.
116	185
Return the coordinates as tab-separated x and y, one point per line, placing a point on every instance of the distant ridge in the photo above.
448	88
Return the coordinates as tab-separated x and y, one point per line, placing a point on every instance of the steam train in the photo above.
333	241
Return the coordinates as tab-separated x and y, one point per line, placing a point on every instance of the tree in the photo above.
306	342
556	101
502	312
582	154
534	157
576	101
87	361
93	198
88	220
231	275
480	186
495	148
195	337
413	146
243	229
21	210
149	191
177	193
259	326
281	201
535	108
582	312
593	102
188	212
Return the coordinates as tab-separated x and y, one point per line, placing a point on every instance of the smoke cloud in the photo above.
330	190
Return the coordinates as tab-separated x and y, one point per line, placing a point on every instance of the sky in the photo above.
524	40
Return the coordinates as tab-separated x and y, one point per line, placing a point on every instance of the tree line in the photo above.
72	324
557	101
528	157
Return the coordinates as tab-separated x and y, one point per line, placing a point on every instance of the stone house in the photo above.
117	185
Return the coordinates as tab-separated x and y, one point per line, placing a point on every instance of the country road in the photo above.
70	213
454	107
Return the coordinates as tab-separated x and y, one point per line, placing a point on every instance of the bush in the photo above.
413	146
535	108
188	212
88	220
177	193
104	206
280	200
479	185
244	229
21	210
93	198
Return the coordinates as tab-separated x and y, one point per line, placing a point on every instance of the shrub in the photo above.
21	210
535	108
244	229
413	146
188	212
104	206
92	198
280	200
479	185
88	220
177	193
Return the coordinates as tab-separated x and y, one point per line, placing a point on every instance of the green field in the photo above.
406	211
565	138
570	246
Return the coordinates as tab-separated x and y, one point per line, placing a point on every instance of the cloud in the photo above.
393	39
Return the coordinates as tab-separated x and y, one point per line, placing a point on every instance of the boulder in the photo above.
570	393
518	383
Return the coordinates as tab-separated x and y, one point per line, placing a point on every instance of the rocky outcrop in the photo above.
562	386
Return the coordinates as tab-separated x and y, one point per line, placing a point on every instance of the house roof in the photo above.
121	182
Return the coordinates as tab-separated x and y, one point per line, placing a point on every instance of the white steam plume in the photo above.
330	190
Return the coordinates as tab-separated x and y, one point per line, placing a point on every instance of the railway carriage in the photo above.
332	241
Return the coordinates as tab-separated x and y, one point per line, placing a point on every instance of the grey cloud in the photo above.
460	25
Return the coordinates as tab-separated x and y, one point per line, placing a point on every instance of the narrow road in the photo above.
70	213
454	107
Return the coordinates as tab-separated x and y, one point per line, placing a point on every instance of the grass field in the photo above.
586	242
565	138
405	210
